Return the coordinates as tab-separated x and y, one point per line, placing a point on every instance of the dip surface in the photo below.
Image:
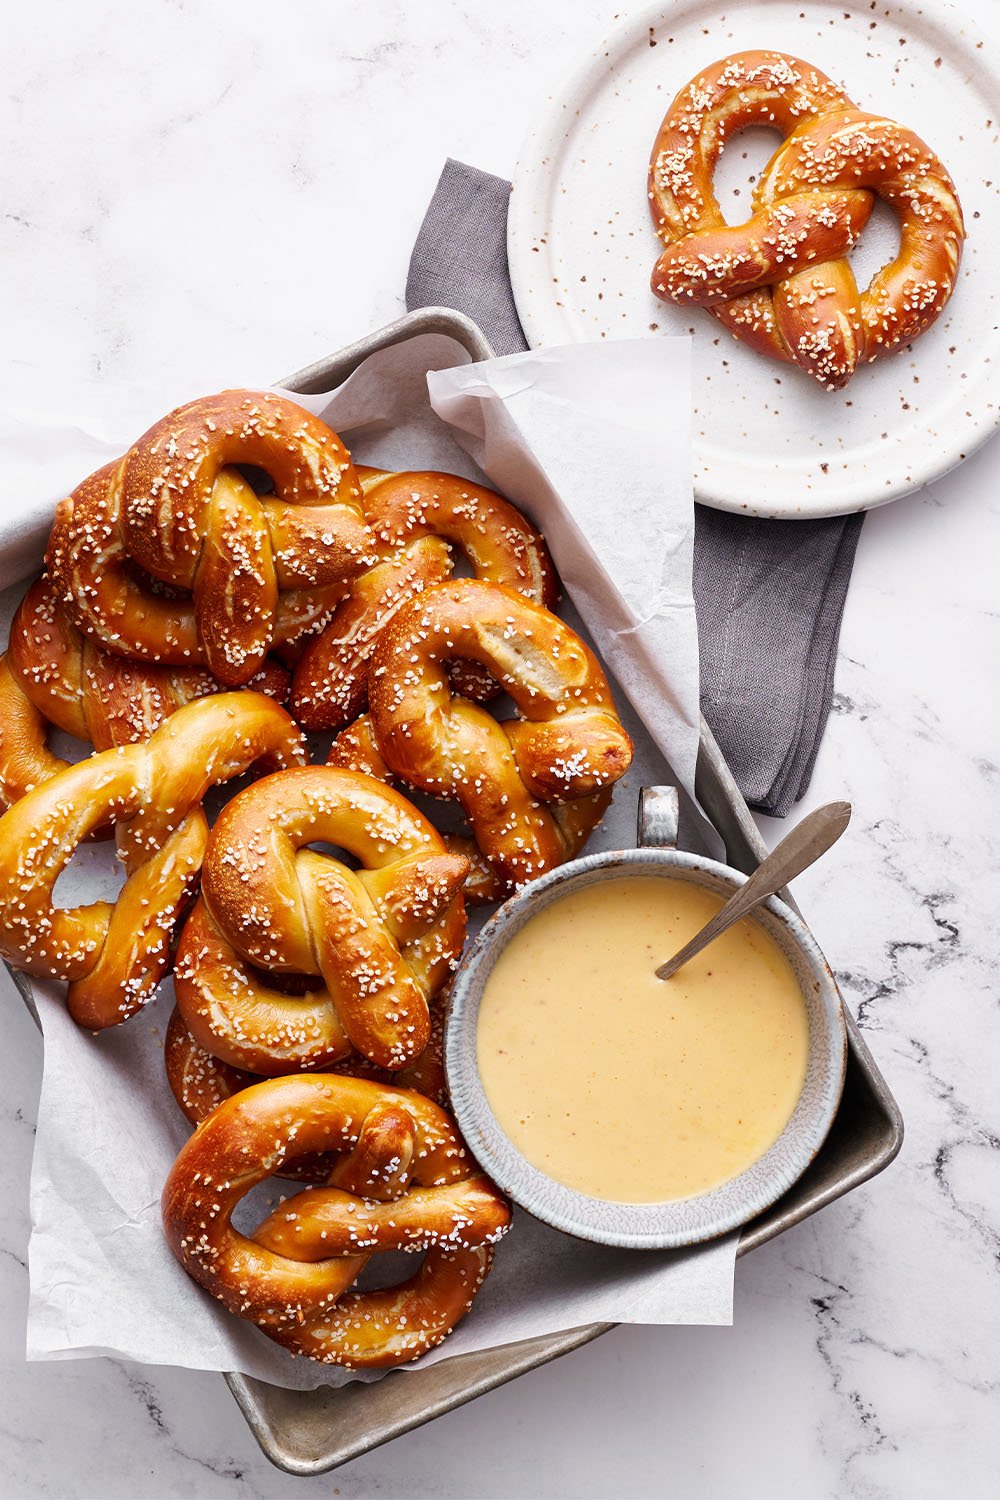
629	1087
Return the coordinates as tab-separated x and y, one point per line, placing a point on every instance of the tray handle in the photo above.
659	812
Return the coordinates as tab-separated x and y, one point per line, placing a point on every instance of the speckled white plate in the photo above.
768	441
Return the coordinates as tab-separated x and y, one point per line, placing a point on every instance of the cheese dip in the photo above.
631	1088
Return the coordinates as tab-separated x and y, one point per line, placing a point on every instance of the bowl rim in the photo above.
676	1222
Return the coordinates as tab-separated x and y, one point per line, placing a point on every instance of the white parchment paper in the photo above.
587	440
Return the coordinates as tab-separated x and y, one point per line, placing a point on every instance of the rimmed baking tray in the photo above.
309	1432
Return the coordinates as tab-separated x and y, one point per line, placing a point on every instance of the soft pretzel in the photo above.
200	1082
175	511
51	675
567	742
402	1181
780	282
384	937
113	955
355	749
417	520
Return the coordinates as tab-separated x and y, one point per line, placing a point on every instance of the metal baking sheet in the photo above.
309	1432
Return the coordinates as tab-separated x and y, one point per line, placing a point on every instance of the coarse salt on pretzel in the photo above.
177	511
113	955
384	937
51	675
355	749
903	299
567	743
402	1181
781	283
418	521
200	1082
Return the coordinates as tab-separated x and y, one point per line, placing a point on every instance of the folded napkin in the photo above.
769	594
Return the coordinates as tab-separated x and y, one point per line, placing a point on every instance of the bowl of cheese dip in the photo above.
627	1109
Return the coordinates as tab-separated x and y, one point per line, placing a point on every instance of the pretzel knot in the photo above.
114	955
568	742
384	937
402	1181
53	675
418	520
780	282
259	570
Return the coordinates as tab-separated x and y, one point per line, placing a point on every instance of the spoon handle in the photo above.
796	852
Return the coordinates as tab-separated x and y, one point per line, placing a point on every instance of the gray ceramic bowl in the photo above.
684	1221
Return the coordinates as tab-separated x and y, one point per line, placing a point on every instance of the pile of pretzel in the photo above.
189	626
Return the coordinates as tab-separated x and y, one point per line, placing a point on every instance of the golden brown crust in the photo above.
355	749
567	744
402	1181
418	521
175	511
53	675
384	937
200	1082
113	955
25	758
781	282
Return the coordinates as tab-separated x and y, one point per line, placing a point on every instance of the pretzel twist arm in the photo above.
25	758
113	955
795	234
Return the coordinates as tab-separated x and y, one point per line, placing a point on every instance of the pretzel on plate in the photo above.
418	521
384	937
113	955
781	282
402	1181
177	511
567	742
51	675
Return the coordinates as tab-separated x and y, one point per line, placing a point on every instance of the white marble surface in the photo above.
198	193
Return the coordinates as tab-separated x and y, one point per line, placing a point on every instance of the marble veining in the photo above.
197	195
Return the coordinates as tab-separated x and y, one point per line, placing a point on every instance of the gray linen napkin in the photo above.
769	594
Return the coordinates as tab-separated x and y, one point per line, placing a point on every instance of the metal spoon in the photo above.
796	852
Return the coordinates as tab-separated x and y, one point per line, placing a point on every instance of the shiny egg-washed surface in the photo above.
402	1181
781	282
